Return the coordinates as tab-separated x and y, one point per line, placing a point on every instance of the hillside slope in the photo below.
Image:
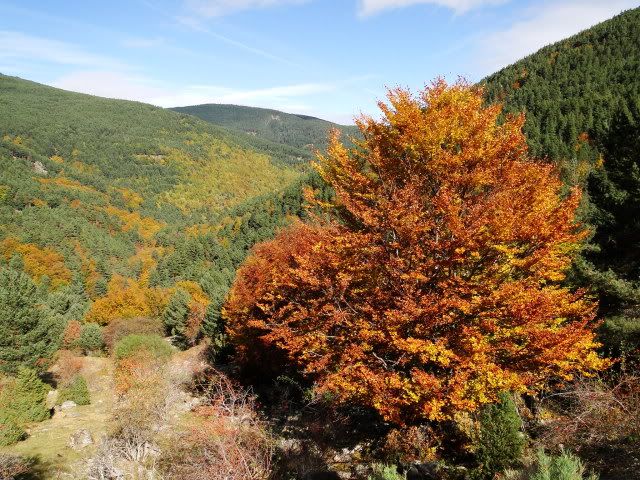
95	192
299	131
573	87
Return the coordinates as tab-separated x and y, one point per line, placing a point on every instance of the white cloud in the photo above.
296	98
217	8
371	7
279	98
21	46
131	87
143	42
544	24
198	26
110	84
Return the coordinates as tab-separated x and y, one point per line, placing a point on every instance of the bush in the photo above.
91	338
12	466
386	472
154	344
562	467
23	399
411	444
501	442
68	367
11	430
119	328
76	392
71	336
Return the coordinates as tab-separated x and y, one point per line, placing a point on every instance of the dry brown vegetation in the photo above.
12	466
230	442
598	418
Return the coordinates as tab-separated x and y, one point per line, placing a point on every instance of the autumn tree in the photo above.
436	284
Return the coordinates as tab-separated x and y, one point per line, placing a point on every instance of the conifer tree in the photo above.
175	314
25	338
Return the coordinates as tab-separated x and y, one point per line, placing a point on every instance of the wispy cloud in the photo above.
198	26
22	46
217	8
371	7
541	25
143	42
295	98
274	93
111	84
115	84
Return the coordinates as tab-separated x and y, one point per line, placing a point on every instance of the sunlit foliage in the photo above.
437	286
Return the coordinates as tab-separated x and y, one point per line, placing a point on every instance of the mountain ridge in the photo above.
300	131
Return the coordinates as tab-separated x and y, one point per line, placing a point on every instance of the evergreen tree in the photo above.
91	338
501	441
30	396
175	314
24	330
16	262
101	287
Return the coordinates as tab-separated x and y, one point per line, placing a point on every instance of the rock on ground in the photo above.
80	439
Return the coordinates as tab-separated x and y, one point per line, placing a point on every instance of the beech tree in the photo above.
436	284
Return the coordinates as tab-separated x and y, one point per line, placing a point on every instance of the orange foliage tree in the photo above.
437	286
38	262
126	298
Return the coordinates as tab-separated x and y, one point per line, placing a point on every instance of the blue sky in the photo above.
328	58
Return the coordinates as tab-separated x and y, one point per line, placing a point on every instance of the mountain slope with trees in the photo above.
301	131
109	208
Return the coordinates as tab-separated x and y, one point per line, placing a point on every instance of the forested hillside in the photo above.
581	97
300	131
108	203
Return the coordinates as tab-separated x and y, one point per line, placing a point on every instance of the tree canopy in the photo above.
435	283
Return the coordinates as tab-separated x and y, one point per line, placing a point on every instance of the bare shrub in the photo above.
142	397
230	443
596	411
598	418
12	466
130	450
187	365
69	367
412	444
117	459
102	466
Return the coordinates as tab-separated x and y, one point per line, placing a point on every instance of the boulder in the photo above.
68	404
424	471
81	439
